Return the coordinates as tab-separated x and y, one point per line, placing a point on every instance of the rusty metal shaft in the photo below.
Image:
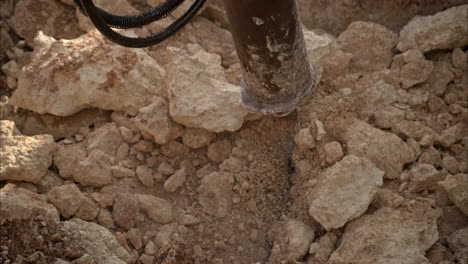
270	45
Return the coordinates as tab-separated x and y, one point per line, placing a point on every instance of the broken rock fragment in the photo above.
293	241
24	158
199	94
344	191
456	187
67	198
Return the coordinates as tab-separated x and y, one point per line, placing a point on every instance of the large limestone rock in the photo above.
386	150
199	94
444	30
52	17
371	45
389	236
19	203
456	187
88	72
344	191
24	158
97	242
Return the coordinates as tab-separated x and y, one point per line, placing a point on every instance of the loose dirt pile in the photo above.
116	155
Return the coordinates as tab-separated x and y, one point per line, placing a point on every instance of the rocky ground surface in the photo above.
116	155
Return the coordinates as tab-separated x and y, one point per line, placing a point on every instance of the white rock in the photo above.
423	177
199	94
388	116
344	191
456	187
444	30
85	72
293	240
154	119
19	203
304	139
333	152
386	150
95	170
24	158
317	48
389	236
145	175
377	97
157	209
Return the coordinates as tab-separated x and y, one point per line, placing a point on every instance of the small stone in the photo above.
413	55
430	156
175	181
105	218
216	194
388	116
456	187
327	244
205	170
219	151
126	134
460	59
415	72
304	139
95	170
458	241
122	152
122	172
452	135
144	146
321	133
106	139
125	210
333	152
146	259
197	138
157	209
88	210
387	198
423	177
67	198
450	164
165	168
145	175
174	149
134	236
293	240
231	164
49	181
151	248
188	220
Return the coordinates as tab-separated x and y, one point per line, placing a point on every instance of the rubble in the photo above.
293	241
456	188
360	180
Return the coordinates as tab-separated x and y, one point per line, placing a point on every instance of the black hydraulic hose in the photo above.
132	21
92	11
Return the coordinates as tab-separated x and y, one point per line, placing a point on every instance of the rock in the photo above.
150	248
377	97
430	156
371	45
389	236
415	72
96	241
219	151
67	158
67	198
175	181
51	17
459	59
49	181
333	152
216	194
231	164
458	241
388	116
387	198
88	210
327	244
304	139
422	30
452	135
157	209
199	94
95	73
450	164
122	172
144	146
105	218
145	175
423	177
318	47
440	77
95	170
24	158
174	149
451	220
146	259
197	138
188	220
387	151
134	235
106	139
19	203
154	119
413	129
293	240
456	187
125	210
165	168
333	207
